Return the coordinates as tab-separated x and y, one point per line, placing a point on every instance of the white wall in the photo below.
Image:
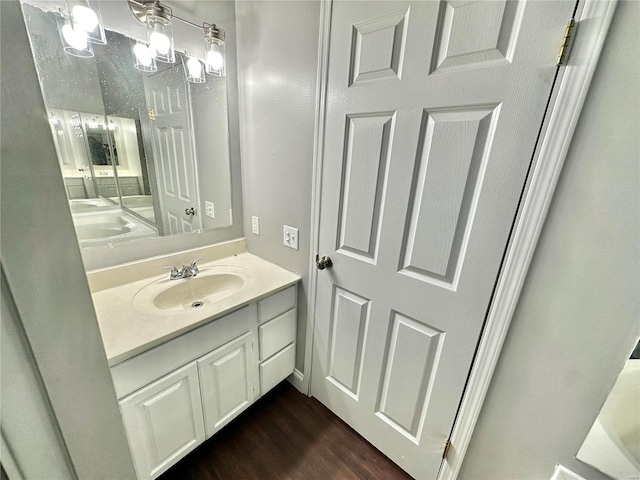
578	316
27	419
277	65
41	259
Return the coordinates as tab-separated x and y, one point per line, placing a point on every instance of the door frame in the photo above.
593	19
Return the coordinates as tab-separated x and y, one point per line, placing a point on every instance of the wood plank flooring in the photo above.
286	435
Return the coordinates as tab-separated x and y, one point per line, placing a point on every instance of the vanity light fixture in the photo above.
87	18
214	50
80	26
158	19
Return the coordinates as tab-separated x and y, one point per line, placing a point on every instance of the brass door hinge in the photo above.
563	55
447	447
152	114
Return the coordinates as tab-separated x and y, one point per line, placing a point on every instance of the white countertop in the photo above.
127	331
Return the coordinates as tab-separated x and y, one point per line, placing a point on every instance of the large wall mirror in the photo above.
142	154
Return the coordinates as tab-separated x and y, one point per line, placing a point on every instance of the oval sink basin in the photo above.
195	292
189	294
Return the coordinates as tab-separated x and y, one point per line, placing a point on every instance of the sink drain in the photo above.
197	304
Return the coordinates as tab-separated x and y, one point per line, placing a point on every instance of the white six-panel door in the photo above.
433	109
173	150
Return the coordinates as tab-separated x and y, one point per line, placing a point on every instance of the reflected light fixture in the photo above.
87	18
144	60
193	68
74	40
158	19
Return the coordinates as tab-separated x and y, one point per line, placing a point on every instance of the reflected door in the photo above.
173	150
433	109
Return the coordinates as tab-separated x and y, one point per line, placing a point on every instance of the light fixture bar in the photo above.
158	18
140	12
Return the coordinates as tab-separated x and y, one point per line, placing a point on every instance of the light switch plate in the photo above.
290	237
255	225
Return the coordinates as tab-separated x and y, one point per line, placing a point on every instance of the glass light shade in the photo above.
214	57
160	36
144	61
87	18
74	40
193	69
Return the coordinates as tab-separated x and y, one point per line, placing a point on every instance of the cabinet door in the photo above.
164	421
227	378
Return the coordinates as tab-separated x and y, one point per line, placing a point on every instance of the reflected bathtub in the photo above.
84	204
613	443
141	204
105	227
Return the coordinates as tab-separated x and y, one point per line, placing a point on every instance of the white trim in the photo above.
297	380
566	110
318	152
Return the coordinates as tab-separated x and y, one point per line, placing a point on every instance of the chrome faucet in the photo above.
186	271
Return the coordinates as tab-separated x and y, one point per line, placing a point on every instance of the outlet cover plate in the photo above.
290	237
255	225
209	210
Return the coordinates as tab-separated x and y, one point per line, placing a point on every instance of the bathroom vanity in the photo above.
182	372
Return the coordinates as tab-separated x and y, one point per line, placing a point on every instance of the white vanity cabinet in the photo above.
177	394
164	421
277	334
227	382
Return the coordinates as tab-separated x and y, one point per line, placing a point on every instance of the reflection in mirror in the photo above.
613	443
131	145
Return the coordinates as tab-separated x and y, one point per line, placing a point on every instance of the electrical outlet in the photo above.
290	237
255	225
209	210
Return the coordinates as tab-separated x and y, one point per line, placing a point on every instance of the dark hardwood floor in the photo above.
286	435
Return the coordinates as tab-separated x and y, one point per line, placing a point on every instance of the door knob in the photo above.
190	211
324	262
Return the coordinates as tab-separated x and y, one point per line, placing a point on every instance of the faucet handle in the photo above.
194	267
175	273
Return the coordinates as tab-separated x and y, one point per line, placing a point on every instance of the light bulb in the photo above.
160	43
84	18
215	60
143	54
195	67
75	38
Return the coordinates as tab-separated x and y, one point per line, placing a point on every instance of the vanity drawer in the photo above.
142	369
276	304
277	333
277	368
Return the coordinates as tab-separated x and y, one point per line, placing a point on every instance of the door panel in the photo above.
433	110
173	149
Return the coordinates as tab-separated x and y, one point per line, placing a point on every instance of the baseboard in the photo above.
297	380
